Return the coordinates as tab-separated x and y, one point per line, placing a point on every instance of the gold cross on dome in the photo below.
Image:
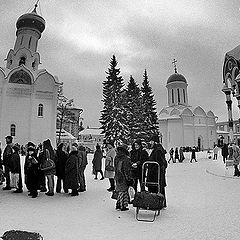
174	65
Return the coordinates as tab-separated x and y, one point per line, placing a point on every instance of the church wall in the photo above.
41	127
175	137
201	131
163	128
16	112
188	135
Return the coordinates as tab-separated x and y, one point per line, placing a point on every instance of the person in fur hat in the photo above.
109	161
157	155
31	171
138	156
72	172
122	168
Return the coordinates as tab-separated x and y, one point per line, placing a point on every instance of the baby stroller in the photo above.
146	200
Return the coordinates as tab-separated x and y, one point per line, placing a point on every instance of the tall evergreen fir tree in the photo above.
134	110
150	125
113	118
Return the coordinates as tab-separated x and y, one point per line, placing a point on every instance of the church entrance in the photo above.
199	143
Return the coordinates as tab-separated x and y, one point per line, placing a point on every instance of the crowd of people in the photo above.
123	168
178	155
41	164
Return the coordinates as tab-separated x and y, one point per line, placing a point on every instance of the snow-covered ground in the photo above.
201	205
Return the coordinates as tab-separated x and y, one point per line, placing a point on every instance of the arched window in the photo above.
13	130
40	110
178	93
184	97
172	97
22	61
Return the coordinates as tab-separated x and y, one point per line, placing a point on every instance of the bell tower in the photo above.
29	29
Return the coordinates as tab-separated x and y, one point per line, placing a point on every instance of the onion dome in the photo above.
176	77
31	20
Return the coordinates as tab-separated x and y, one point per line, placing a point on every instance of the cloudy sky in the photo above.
82	35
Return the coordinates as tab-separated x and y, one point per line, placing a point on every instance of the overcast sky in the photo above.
82	35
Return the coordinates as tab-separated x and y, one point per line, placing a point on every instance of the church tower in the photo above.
177	88
29	29
28	95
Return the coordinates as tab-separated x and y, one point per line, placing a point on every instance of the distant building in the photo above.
90	137
182	125
28	95
70	126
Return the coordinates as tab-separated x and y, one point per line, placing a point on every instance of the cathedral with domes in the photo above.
28	94
182	125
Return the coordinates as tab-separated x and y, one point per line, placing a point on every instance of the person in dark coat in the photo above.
15	167
138	156
224	152
83	164
7	154
176	157
31	171
181	154
97	162
122	169
157	155
72	172
171	152
193	155
61	158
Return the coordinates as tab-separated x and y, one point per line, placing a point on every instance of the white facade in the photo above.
182	125
28	95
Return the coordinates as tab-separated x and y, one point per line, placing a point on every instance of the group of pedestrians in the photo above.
41	164
178	155
123	168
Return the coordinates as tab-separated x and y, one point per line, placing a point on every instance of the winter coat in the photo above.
61	158
225	150
47	165
138	156
176	154
157	155
181	155
31	170
71	171
15	164
82	154
110	155
7	154
47	145
193	155
97	160
236	155
215	150
122	168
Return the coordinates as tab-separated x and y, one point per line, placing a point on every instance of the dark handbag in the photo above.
109	168
48	165
114	195
149	201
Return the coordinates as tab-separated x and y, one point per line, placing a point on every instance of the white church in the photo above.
182	125
28	95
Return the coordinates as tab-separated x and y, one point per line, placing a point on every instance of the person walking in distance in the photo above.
181	154
224	152
109	164
176	157
7	154
171	152
193	154
215	152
